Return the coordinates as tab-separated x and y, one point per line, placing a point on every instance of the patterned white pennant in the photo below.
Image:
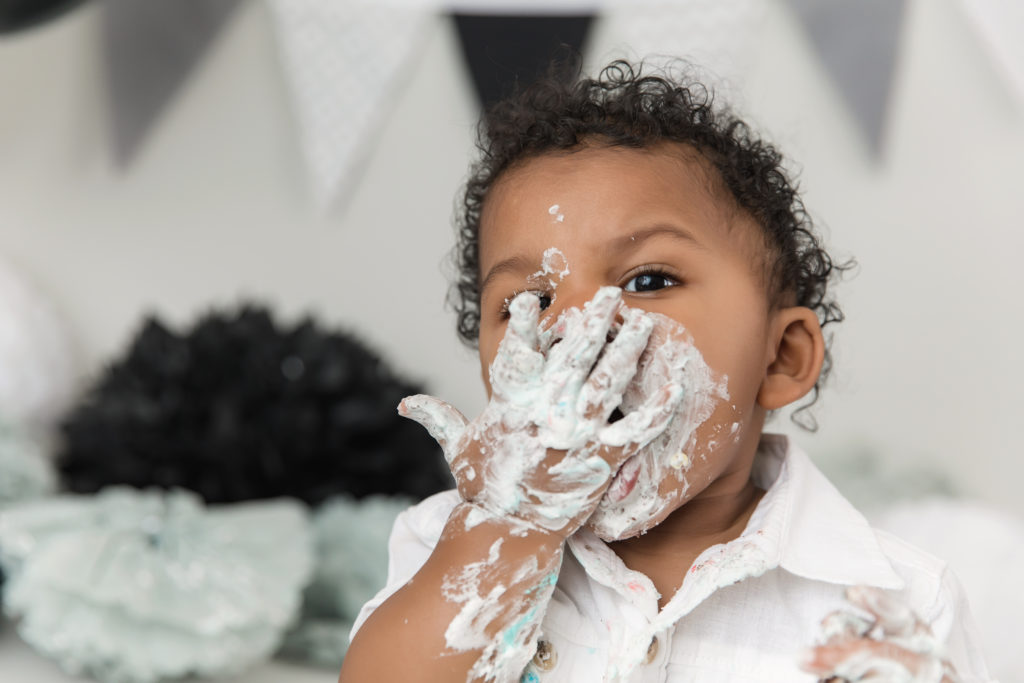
714	35
1000	25
343	62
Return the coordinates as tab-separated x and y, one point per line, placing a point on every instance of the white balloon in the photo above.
37	369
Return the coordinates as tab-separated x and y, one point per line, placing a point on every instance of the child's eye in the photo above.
545	301
649	282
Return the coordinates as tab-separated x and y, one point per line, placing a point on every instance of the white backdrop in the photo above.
216	207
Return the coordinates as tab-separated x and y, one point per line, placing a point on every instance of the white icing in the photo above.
541	402
882	618
554	267
679	461
558	217
481	589
670	357
540	442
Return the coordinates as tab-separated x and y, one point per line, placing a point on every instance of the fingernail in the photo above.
808	659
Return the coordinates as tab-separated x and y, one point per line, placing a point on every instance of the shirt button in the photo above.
546	657
652	650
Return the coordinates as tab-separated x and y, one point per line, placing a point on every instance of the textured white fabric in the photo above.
747	609
343	61
985	548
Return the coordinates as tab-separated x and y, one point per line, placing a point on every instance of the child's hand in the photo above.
542	452
889	644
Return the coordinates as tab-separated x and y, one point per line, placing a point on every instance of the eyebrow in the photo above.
634	239
515	264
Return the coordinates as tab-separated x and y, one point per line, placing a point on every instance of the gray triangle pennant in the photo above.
858	42
150	48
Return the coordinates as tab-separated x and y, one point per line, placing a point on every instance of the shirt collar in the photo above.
820	535
802	524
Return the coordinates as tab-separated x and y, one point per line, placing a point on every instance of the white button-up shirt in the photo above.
747	610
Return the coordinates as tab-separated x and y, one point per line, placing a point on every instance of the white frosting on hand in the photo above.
543	455
881	639
636	499
485	592
540	456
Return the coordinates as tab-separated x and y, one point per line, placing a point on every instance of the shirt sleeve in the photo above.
954	626
413	537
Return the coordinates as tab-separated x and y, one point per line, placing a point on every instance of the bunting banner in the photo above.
150	48
344	63
858	42
1000	26
502	51
714	36
19	15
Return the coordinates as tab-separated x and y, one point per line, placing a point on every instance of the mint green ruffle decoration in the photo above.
138	586
352	561
25	471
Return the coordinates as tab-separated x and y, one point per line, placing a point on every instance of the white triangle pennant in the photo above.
343	62
1000	24
714	35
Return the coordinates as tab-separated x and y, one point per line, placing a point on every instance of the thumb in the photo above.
444	422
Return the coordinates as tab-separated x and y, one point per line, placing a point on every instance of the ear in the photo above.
799	348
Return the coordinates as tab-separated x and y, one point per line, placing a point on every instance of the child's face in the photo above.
651	222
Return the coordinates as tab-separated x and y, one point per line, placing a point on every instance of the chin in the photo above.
639	513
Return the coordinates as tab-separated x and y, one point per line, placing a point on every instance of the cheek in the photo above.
488	349
739	354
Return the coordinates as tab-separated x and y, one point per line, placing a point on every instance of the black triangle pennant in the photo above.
503	50
18	15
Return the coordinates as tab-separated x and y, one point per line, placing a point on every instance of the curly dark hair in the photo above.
627	107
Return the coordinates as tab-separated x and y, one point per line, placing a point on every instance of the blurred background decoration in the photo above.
238	408
344	579
143	586
164	164
17	15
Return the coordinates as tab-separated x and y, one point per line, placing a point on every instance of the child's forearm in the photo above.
471	613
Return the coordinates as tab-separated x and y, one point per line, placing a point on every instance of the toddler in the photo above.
644	287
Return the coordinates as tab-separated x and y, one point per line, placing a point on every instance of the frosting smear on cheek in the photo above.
542	456
635	501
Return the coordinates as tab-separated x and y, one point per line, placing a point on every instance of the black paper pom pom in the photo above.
239	409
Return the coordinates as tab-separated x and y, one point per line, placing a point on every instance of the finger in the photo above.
570	361
517	367
895	617
524	312
864	660
552	331
615	456
644	424
443	421
580	470
845	625
603	390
